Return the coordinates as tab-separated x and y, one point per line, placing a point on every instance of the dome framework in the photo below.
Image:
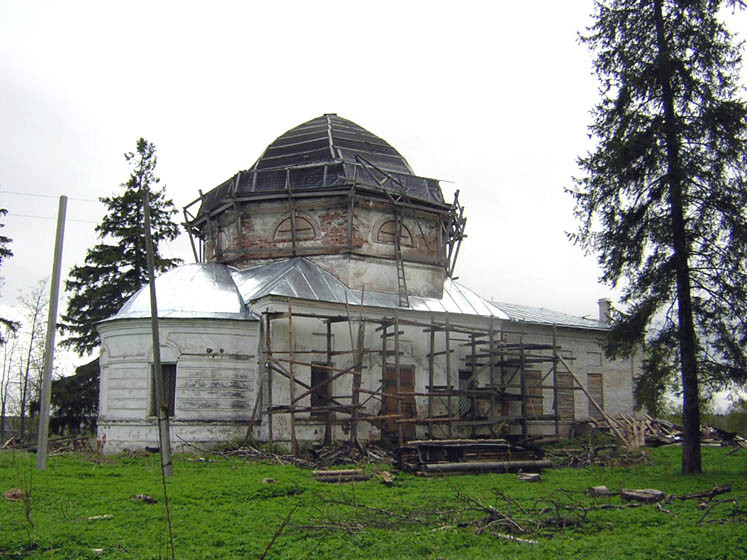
329	162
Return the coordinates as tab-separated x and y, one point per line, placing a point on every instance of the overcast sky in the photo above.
493	98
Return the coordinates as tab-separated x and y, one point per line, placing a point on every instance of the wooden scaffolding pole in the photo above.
357	375
384	337
491	342
555	392
328	415
449	386
292	380
431	357
268	357
523	388
397	374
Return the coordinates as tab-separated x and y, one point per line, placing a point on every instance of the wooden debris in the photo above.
456	456
653	432
15	495
485	466
645	495
709	495
345	475
104	517
146	498
385	477
598	491
514	539
529	477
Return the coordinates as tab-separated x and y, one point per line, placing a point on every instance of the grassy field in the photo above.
83	507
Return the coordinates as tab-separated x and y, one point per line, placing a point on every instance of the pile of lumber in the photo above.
654	432
462	456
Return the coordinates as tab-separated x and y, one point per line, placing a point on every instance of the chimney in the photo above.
605	308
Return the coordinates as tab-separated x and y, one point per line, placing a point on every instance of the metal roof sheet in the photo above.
204	290
539	315
210	290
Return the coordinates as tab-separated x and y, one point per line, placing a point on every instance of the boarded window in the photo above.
388	232
596	390
320	396
407	403
304	230
566	404
534	394
168	372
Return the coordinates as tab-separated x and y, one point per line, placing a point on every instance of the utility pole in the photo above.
54	294
164	437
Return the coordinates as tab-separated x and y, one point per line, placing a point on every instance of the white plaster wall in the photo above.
218	390
216	384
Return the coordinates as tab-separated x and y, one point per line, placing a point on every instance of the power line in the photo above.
13	214
37	195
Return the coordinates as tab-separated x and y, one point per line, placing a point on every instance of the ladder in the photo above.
401	281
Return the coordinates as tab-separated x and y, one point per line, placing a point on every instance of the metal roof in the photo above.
204	290
211	290
327	152
541	316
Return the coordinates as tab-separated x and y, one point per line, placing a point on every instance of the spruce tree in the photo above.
663	196
116	267
5	252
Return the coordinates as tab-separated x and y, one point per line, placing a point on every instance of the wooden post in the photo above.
351	212
397	374
491	341
523	385
291	210
268	352
191	237
449	387
292	380
357	375
328	414
555	392
472	375
54	296
431	357
384	360
164	436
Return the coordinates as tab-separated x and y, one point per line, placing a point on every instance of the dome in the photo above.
330	138
328	153
201	290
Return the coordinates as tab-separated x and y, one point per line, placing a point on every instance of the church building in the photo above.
322	307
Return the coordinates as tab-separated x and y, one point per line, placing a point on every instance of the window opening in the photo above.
320	397
304	230
388	232
168	372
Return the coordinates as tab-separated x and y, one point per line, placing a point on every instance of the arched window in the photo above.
304	230
388	231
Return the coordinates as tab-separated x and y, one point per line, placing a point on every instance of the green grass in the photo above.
222	509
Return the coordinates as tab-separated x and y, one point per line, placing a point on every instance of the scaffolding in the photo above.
496	388
222	209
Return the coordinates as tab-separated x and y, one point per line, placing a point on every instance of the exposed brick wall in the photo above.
257	239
